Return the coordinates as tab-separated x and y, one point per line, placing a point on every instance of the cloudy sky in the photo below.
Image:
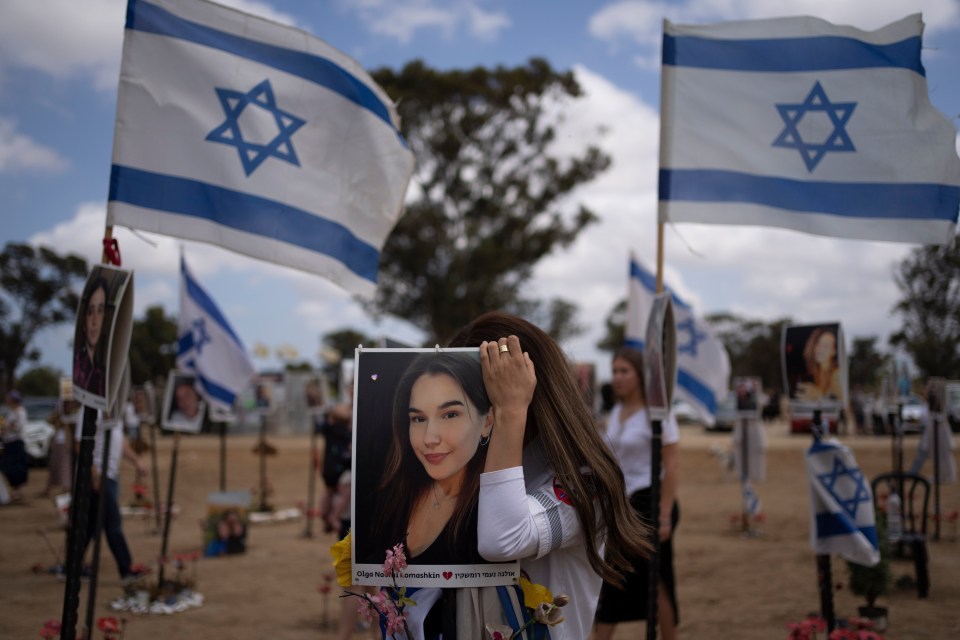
59	62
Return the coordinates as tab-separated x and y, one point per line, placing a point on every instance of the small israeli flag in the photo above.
208	346
841	505
751	500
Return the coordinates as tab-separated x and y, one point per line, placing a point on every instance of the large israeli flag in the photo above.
802	124
257	137
703	366
842	520
208	346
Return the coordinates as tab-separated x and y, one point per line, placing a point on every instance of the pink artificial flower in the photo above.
324	588
843	634
51	629
396	561
797	631
395	621
499	632
869	635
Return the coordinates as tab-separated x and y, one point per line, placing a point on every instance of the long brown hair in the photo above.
635	359
583	463
405	480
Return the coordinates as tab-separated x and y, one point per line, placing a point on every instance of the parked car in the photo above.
38	433
684	412
726	417
914	414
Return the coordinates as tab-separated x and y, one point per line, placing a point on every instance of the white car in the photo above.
914	414
683	412
38	433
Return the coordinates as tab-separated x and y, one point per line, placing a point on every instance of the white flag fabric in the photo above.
805	125
208	346
256	137
842	520
703	366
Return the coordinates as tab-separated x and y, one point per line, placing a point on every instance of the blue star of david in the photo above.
816	101
694	337
852	499
253	154
200	335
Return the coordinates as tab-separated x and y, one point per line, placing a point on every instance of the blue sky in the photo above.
59	62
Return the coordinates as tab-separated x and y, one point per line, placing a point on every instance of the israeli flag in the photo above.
703	366
208	346
805	125
256	137
841	505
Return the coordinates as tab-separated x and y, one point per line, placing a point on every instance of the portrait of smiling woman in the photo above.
426	491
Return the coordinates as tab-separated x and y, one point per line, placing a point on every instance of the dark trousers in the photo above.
112	525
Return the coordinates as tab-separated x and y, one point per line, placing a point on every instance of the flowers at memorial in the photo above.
51	629
111	628
543	608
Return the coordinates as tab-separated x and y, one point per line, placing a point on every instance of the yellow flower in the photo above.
534	594
342	561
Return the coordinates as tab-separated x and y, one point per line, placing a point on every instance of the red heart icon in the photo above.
447	575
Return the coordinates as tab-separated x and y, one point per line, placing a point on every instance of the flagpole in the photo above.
97	530
169	509
155	473
79	505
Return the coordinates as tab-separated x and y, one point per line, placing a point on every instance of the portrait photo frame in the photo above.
799	349
378	374
189	417
102	336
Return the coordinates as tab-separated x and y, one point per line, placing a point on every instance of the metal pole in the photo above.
263	464
936	477
824	575
169	509
744	473
97	529
77	532
223	456
156	475
311	480
654	514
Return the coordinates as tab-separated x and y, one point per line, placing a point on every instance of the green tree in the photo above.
490	195
929	283
38	289
754	346
616	324
40	381
340	345
153	346
866	364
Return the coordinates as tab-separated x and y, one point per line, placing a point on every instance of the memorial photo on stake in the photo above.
815	364
183	407
102	336
421	425
225	530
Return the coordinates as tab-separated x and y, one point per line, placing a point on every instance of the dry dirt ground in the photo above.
730	586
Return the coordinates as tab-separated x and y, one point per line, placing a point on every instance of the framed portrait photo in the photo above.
420	428
183	406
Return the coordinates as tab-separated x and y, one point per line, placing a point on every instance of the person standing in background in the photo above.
13	459
629	435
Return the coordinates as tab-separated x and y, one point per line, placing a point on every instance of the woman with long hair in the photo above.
820	356
441	423
552	495
89	350
629	435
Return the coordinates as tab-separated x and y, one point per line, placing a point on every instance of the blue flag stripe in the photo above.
780	55
244	212
832	524
149	18
851	199
210	388
206	303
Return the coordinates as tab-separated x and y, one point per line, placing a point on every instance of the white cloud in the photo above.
401	19
65	38
18	151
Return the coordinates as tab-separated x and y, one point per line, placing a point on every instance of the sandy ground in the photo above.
729	585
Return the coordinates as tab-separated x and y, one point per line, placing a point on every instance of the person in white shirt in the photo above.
13	459
629	435
112	522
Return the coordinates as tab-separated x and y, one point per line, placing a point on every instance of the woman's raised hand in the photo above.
510	378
